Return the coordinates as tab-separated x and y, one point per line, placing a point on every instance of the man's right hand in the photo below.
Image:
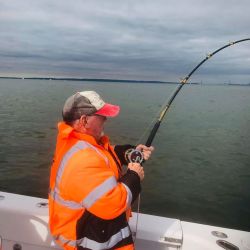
137	168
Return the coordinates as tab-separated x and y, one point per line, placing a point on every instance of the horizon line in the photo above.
114	80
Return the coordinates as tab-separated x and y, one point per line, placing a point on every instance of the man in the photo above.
90	197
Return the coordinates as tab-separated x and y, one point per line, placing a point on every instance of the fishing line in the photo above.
136	155
150	125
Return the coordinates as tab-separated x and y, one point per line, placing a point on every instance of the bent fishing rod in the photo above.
133	155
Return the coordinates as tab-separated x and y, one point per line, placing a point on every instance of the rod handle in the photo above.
153	133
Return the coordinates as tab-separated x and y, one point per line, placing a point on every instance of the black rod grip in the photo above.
153	133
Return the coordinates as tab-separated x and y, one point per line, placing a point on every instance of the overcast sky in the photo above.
146	40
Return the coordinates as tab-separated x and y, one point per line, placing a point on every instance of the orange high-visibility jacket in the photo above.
88	197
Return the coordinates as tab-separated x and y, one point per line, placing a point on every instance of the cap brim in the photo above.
108	110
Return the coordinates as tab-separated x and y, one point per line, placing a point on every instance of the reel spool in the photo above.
134	155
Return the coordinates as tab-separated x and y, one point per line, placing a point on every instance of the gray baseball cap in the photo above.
87	103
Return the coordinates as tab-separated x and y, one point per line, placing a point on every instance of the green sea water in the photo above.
199	172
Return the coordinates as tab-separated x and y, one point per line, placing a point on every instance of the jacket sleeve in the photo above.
92	183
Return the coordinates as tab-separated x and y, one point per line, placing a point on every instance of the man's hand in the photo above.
137	168
146	151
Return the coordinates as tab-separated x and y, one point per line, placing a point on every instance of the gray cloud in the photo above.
148	40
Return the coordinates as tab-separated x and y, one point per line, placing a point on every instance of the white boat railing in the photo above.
24	225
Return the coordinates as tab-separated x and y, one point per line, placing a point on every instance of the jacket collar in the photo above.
67	132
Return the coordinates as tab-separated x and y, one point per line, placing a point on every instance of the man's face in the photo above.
95	125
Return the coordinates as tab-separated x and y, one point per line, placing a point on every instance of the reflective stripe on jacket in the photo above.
88	196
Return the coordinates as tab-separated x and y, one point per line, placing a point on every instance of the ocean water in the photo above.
199	172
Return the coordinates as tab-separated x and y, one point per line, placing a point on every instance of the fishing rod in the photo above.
133	155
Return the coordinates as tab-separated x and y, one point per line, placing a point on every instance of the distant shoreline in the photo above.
83	79
112	80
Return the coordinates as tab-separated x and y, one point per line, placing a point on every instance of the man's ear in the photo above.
83	120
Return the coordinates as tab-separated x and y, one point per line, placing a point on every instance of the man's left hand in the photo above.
146	151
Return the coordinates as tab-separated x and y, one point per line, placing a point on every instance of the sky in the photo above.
160	40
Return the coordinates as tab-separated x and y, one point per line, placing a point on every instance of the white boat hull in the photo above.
24	223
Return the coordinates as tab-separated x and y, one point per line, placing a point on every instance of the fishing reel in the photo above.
134	155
